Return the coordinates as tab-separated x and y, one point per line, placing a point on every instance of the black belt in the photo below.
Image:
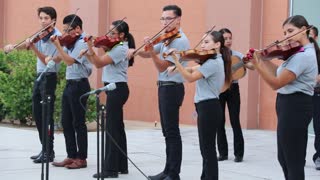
77	80
47	73
167	83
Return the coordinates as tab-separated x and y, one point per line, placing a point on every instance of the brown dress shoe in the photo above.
65	162
77	164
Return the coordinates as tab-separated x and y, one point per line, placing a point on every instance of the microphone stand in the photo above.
100	108
46	100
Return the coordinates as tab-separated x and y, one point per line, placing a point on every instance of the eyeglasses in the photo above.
167	19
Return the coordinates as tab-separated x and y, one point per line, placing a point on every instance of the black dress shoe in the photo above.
106	175
124	172
160	176
43	158
238	159
36	156
222	158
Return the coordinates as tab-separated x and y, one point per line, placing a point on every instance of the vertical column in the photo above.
2	25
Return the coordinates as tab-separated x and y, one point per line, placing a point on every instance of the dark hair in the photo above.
226	54
176	9
225	30
48	10
123	27
299	21
315	30
76	22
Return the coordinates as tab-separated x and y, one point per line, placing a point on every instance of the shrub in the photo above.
17	74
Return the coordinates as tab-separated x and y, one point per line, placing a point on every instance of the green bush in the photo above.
17	74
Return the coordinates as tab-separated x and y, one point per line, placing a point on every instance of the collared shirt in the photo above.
210	85
82	67
47	48
117	71
180	44
304	66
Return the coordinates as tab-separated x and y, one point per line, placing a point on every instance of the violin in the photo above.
199	56
165	37
103	41
157	38
276	51
36	36
42	34
67	40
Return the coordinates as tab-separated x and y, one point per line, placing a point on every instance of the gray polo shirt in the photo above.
47	48
304	66
117	71
212	82
238	54
181	44
82	68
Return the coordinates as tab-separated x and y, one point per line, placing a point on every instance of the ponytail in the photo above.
131	44
316	47
226	56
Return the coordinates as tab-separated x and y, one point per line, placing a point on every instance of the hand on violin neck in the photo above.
29	43
55	40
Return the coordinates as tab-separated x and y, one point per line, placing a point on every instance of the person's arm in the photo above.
189	74
98	61
267	70
64	56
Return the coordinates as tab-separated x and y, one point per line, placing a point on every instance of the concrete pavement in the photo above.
146	150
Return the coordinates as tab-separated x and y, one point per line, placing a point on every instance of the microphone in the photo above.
48	67
109	87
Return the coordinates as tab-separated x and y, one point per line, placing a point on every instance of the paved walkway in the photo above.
146	149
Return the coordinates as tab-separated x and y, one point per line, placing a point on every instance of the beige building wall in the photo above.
254	23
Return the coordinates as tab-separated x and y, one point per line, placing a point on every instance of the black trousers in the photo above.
294	113
115	161
170	99
209	114
73	118
231	97
316	124
37	96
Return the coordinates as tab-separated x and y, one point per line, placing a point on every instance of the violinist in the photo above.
42	48
231	97
115	66
210	77
170	90
77	73
316	108
294	80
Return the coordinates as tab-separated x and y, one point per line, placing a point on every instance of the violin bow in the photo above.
74	17
278	42
33	35
205	36
153	37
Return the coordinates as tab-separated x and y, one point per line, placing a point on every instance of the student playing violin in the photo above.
42	48
77	72
115	66
210	77
170	90
294	80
